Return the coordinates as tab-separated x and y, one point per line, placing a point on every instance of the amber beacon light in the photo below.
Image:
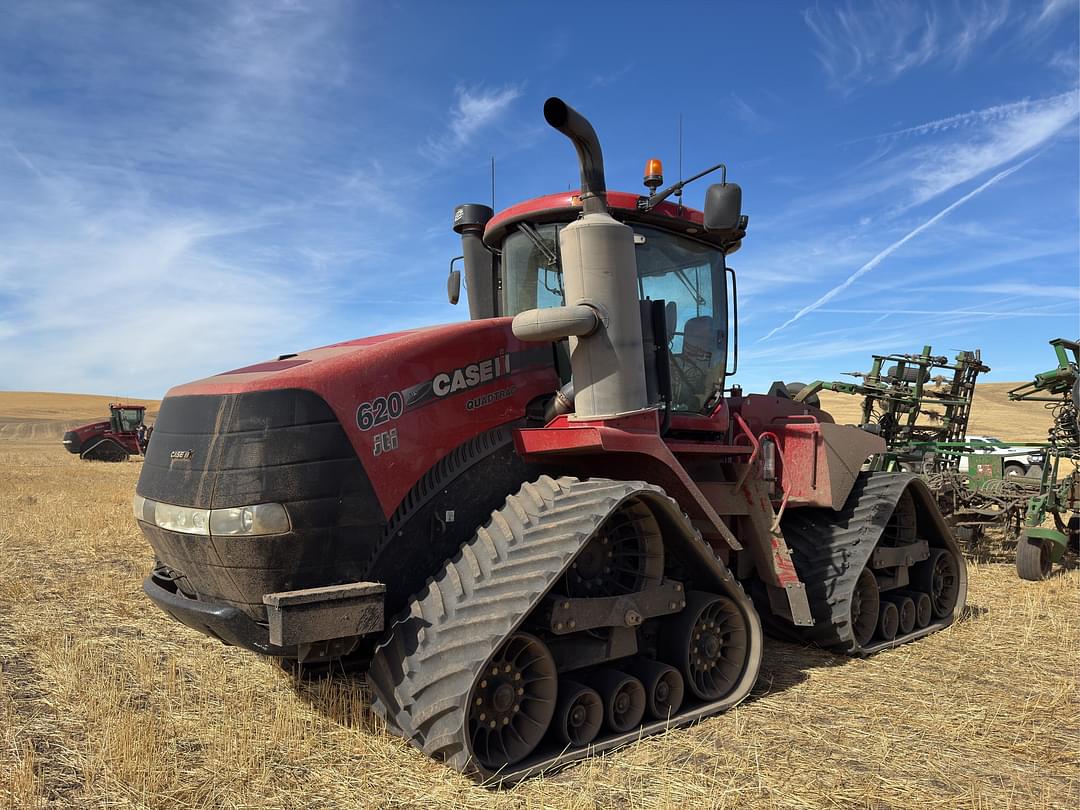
654	173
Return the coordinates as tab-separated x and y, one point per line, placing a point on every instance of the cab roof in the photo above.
566	206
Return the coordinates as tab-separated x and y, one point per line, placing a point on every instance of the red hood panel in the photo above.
407	399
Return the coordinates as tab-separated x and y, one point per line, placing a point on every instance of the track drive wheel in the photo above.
940	578
707	642
1033	561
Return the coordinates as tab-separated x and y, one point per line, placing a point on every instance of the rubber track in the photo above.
830	550
422	675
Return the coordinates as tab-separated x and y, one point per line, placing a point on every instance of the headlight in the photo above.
264	518
259	519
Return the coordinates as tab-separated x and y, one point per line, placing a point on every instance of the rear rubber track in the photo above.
831	549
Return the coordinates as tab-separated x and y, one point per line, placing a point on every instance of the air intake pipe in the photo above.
602	318
469	221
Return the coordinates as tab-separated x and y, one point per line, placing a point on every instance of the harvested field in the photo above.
104	702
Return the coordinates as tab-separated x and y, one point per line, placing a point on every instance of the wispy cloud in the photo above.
989	115
748	115
913	165
873	42
1028	290
884	254
609	77
937	169
474	109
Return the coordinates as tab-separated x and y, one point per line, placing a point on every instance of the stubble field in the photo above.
104	702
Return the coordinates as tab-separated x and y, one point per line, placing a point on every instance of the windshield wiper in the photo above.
539	243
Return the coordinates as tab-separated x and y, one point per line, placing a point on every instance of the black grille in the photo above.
284	446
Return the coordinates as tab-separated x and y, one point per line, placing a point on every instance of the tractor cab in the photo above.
513	264
126	418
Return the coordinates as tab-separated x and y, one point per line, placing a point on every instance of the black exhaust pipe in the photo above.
577	128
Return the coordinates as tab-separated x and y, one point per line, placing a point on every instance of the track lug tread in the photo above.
830	550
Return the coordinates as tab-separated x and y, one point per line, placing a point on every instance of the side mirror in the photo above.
723	207
453	282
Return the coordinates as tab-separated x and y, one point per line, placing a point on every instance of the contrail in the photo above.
878	259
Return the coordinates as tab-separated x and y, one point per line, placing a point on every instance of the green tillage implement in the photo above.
1059	492
913	401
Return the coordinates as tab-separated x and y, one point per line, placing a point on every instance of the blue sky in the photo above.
187	188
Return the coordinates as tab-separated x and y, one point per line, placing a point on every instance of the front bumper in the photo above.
227	624
71	442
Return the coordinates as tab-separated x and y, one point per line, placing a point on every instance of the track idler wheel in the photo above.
865	604
664	687
940	578
905	607
888	620
623	696
707	642
513	702
579	715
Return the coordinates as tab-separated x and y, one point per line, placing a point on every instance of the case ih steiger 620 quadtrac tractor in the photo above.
125	433
549	530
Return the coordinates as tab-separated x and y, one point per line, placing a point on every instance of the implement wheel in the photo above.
1033	561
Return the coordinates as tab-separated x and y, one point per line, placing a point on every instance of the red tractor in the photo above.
125	433
554	528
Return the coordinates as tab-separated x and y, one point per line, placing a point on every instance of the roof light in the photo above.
654	173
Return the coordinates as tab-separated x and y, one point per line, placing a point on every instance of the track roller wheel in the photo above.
579	715
1033	560
940	578
905	607
888	620
707	642
623	697
865	604
513	702
924	609
663	684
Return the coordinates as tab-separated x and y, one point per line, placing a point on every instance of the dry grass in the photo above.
105	703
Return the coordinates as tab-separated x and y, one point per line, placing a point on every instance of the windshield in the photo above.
688	275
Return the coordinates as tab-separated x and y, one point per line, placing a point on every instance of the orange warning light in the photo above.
654	173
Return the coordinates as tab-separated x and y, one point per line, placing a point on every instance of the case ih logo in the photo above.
181	454
471	375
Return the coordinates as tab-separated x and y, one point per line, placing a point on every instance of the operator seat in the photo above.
695	360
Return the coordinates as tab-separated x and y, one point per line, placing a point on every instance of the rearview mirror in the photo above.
723	207
453	282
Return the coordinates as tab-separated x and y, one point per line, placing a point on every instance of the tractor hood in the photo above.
403	401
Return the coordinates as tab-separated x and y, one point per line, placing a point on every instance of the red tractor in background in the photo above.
125	433
554	528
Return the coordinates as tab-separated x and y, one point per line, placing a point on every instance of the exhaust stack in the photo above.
602	317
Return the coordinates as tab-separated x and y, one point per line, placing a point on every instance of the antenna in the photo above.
492	182
678	192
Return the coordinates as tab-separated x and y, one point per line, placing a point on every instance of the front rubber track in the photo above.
831	549
423	673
